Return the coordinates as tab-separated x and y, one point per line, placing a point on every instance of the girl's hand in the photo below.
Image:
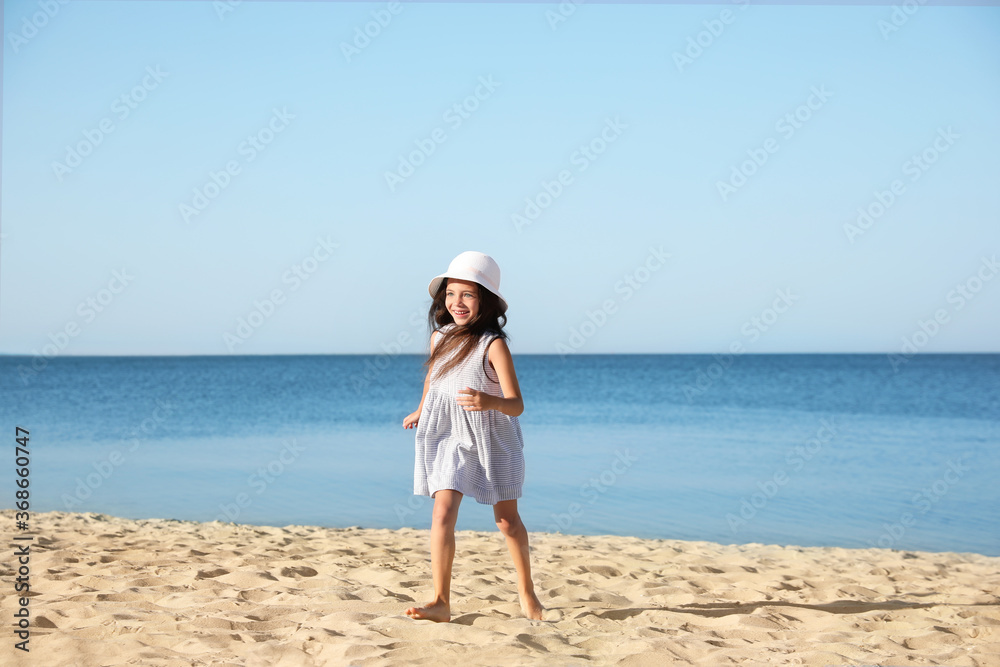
411	420
472	400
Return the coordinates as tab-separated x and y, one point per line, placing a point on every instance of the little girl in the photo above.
468	439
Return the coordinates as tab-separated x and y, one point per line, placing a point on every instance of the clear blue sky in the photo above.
673	130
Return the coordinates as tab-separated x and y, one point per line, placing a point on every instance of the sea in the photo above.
848	450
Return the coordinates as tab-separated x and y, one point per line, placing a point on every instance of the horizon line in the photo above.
518	354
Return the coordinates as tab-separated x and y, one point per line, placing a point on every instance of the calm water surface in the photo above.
787	449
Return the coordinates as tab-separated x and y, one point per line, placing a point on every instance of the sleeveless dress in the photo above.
478	453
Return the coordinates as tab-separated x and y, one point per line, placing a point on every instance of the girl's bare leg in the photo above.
509	523
443	520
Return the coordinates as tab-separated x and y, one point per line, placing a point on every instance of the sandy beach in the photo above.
110	591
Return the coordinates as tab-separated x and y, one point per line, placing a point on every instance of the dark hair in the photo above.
462	339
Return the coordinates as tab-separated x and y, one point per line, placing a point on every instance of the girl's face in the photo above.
462	300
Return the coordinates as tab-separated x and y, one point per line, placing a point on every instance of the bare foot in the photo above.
439	612
530	606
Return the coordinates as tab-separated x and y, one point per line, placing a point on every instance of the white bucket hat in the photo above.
475	267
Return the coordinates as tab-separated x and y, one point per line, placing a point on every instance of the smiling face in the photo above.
462	300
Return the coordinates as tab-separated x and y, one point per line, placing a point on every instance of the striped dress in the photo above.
478	453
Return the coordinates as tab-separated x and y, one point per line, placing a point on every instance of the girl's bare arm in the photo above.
411	419
511	403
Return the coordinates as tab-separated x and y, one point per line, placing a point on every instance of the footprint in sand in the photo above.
211	574
298	571
601	570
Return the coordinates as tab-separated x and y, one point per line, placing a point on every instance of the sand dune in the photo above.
110	591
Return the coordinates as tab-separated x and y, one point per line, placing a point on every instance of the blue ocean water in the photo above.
813	450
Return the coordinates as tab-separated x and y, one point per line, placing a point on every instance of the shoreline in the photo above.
8	514
107	588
